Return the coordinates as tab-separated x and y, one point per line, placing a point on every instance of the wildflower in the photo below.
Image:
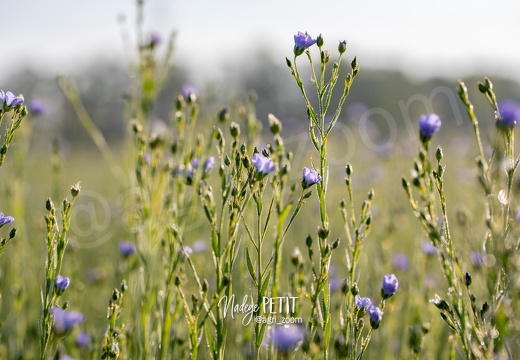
65	321
5	219
11	100
189	93
342	47
126	248
287	337
389	285
429	125
401	261
154	39
185	251
301	42
264	165
507	115
440	303
82	340
61	283
428	248
208	164
37	107
199	246
194	163
478	259
363	302
375	315
310	177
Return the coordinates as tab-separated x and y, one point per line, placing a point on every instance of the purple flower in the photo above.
264	165
363	302
287	337
389	285
508	114
401	261
429	125
64	321
11	100
209	163
194	163
310	177
375	315
61	283
301	42
5	219
428	248
185	251
126	248
478	259
82	340
188	92
154	39
199	246
37	107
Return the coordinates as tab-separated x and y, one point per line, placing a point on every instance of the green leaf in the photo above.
250	266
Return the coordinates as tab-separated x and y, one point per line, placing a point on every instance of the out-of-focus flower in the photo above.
126	248
287	337
478	259
199	246
301	42
428	125
61	283
508	114
264	165
188	92
389	285
363	302
65	321
310	177
154	39
428	248
375	315
37	107
185	251
401	261
82	339
209	163
5	219
194	163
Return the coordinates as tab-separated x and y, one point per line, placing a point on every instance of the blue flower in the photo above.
478	259
154	39
185	251
65	321
287	337
428	248
301	42
401	261
264	165
363	302
12	100
5	219
194	163
310	177
61	283
208	164
188	92
508	114
82	340
126	248
389	285
429	125
375	315
37	107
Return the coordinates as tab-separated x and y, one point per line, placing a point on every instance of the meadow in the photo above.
219	234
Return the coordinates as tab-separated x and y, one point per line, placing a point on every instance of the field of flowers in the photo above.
216	235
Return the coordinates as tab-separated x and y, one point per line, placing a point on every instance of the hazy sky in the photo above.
441	37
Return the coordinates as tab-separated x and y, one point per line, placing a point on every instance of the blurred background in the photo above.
404	48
